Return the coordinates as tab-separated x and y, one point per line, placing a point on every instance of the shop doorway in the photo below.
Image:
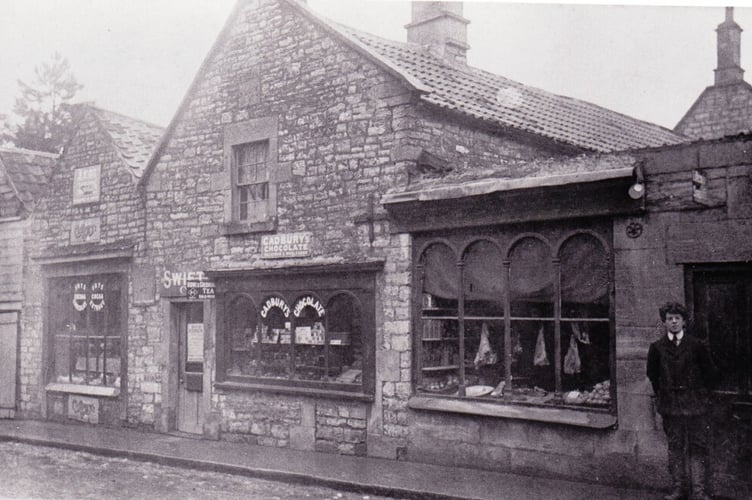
189	414
721	302
8	363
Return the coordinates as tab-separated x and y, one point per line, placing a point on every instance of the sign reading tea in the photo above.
283	246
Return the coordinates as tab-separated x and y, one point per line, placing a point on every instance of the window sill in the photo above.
88	390
566	416
293	390
235	227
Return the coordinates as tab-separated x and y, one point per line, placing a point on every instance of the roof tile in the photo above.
508	103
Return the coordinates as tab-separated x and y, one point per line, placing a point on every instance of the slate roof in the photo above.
23	176
720	110
501	101
133	139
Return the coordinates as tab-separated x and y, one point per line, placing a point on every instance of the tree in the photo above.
44	108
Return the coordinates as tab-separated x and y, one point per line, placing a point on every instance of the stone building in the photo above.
23	178
724	108
353	245
78	297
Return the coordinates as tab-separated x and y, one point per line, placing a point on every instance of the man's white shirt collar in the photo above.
679	336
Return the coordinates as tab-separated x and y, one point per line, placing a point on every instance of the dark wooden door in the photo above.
721	298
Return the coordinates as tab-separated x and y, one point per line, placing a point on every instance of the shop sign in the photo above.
283	246
188	284
86	184
275	302
79	296
83	408
308	301
97	296
85	231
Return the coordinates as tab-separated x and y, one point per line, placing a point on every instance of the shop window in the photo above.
309	338
87	324
530	325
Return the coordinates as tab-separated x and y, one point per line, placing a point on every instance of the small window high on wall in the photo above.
514	317
87	323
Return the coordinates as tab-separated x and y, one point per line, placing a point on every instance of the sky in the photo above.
138	57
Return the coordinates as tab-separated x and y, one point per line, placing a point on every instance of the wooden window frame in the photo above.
505	239
325	286
235	136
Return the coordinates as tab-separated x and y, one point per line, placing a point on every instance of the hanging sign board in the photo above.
187	284
195	343
284	246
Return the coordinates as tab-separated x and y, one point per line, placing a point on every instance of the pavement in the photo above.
365	475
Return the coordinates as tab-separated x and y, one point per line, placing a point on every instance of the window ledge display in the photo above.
579	418
293	390
89	390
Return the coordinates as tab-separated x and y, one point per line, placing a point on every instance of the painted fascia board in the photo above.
488	186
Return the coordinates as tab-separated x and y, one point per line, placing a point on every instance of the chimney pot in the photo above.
729	51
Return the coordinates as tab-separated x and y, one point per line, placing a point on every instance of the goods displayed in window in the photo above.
526	325
86	322
306	339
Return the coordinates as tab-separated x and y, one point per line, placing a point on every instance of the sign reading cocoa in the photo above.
85	231
283	246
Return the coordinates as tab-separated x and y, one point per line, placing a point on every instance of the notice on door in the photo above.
195	343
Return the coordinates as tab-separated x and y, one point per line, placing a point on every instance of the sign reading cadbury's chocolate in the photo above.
283	246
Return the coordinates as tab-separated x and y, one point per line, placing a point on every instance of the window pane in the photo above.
86	322
345	341
250	162
531	285
483	282
585	345
310	353
440	331
241	329
252	201
273	338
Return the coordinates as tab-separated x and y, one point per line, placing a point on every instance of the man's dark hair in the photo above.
672	308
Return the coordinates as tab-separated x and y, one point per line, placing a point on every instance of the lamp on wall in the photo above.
637	189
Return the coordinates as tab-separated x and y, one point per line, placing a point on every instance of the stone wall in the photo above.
121	215
348	130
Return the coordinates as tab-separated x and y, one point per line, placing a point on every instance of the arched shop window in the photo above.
585	332
530	325
439	361
87	322
318	338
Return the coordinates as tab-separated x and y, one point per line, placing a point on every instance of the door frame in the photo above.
167	421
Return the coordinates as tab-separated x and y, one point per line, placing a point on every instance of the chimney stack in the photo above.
729	51
441	27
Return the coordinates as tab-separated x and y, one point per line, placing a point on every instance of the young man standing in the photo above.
681	371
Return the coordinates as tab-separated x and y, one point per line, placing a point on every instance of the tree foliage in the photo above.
44	109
